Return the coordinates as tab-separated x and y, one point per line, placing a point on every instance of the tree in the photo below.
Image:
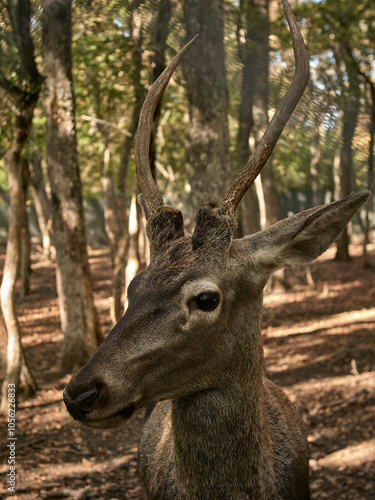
249	209
135	27
79	319
41	202
22	84
25	262
259	31
341	39
350	103
370	174
208	158
159	34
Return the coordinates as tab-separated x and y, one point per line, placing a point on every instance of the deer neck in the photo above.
221	442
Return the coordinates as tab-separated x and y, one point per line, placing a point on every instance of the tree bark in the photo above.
25	93
315	158
25	261
82	333
351	103
42	204
132	265
208	158
259	31
118	282
336	175
370	174
12	259
249	207
111	215
159	34
17	215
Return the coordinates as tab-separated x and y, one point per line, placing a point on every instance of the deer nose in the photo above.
83	404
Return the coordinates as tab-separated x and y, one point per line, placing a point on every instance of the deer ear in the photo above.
304	236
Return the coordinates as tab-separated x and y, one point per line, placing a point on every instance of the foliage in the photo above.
102	67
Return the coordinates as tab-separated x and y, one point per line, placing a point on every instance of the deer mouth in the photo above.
114	420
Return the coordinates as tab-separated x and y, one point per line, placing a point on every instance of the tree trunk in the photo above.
25	261
159	34
111	215
315	158
118	282
82	333
249	207
13	253
208	158
336	175
258	30
132	265
25	93
12	259
370	175
350	114
42	204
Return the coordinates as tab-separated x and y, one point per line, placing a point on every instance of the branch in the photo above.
20	15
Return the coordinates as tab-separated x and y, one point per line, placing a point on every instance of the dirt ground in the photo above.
319	341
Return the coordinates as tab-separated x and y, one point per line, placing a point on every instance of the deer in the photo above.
189	346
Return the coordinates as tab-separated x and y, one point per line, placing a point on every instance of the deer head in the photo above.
197	305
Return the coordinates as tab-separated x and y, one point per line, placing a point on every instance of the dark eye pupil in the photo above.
207	301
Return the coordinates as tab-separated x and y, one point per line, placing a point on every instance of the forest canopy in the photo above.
104	86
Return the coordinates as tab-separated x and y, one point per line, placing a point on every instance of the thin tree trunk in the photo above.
12	259
350	115
254	27
111	215
159	34
13	253
249	208
42	204
25	261
370	175
132	265
118	282
315	154
82	333
258	32
208	158
26	100
336	192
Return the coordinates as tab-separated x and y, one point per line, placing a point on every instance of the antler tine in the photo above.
143	137
270	137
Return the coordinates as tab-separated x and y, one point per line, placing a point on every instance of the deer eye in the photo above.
208	301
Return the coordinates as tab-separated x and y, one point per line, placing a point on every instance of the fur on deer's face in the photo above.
174	338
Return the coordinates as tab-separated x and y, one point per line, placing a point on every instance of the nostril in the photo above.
89	400
82	404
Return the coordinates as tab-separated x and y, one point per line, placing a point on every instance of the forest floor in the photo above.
319	341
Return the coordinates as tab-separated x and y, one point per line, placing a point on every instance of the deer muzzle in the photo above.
89	405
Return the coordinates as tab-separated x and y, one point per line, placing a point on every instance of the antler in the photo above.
270	137
143	137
